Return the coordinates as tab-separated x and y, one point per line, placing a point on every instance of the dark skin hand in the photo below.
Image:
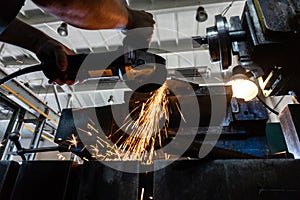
53	49
88	14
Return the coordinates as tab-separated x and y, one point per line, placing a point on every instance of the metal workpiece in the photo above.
92	132
290	123
47	180
88	132
243	130
228	179
8	174
87	126
67	133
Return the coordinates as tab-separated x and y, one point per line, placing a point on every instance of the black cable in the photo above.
268	107
227	8
26	70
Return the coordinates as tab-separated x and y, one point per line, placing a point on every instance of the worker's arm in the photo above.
28	37
88	14
97	14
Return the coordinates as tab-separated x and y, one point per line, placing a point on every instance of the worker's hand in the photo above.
55	52
139	19
139	29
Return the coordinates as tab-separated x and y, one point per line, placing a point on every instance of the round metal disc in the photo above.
224	41
213	43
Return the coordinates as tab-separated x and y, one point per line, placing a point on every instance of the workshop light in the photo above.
242	86
111	99
62	30
201	14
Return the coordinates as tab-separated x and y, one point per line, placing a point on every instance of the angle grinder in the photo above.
140	70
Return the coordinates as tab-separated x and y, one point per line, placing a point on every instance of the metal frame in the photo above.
12	123
29	101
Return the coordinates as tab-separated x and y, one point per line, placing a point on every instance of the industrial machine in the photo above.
266	40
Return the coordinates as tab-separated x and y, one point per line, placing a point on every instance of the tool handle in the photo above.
74	63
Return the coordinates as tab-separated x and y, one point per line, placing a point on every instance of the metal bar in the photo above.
237	35
30	121
23	151
251	28
49	135
56	98
43	149
37	136
177	27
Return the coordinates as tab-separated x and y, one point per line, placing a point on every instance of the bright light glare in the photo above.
243	88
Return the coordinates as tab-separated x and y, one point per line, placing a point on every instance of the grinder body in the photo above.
141	70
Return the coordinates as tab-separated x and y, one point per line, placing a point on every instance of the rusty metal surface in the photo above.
228	179
278	16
